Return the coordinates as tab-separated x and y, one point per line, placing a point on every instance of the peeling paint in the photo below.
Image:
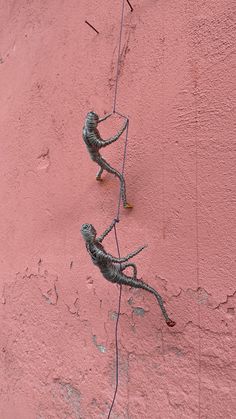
100	347
71	395
139	311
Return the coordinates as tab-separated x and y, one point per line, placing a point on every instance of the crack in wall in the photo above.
228	297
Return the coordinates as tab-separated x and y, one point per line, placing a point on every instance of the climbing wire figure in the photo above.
94	142
112	268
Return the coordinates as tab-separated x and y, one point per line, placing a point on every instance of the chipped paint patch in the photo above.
99	346
139	311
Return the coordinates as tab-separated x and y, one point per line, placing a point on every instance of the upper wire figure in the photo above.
113	268
94	142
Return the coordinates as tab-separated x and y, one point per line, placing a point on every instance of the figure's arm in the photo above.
103	235
104	117
124	259
94	139
115	137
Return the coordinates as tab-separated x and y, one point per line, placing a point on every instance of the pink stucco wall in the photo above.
57	314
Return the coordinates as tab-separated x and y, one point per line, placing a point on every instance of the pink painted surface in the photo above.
57	313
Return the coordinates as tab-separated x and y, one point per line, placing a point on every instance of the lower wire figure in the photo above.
113	268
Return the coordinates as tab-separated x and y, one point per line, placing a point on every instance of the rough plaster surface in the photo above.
57	313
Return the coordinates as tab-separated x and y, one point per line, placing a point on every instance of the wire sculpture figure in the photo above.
112	268
94	143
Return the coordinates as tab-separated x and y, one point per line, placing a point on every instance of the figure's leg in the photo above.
131	282
105	166
99	174
132	265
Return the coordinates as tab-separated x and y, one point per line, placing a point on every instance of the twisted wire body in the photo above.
112	268
94	143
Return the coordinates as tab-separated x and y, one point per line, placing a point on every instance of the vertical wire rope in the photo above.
120	293
198	277
118	58
118	211
123	170
116	336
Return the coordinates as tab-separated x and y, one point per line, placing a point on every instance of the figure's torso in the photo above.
89	139
107	268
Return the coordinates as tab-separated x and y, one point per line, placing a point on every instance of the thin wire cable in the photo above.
196	133
118	211
123	169
118	58
120	294
198	276
116	335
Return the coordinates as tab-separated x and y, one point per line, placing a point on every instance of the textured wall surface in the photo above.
57	314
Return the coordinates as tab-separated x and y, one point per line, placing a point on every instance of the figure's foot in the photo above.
99	179
128	206
170	323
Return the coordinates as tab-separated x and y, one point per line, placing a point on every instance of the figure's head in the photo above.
91	121
88	232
